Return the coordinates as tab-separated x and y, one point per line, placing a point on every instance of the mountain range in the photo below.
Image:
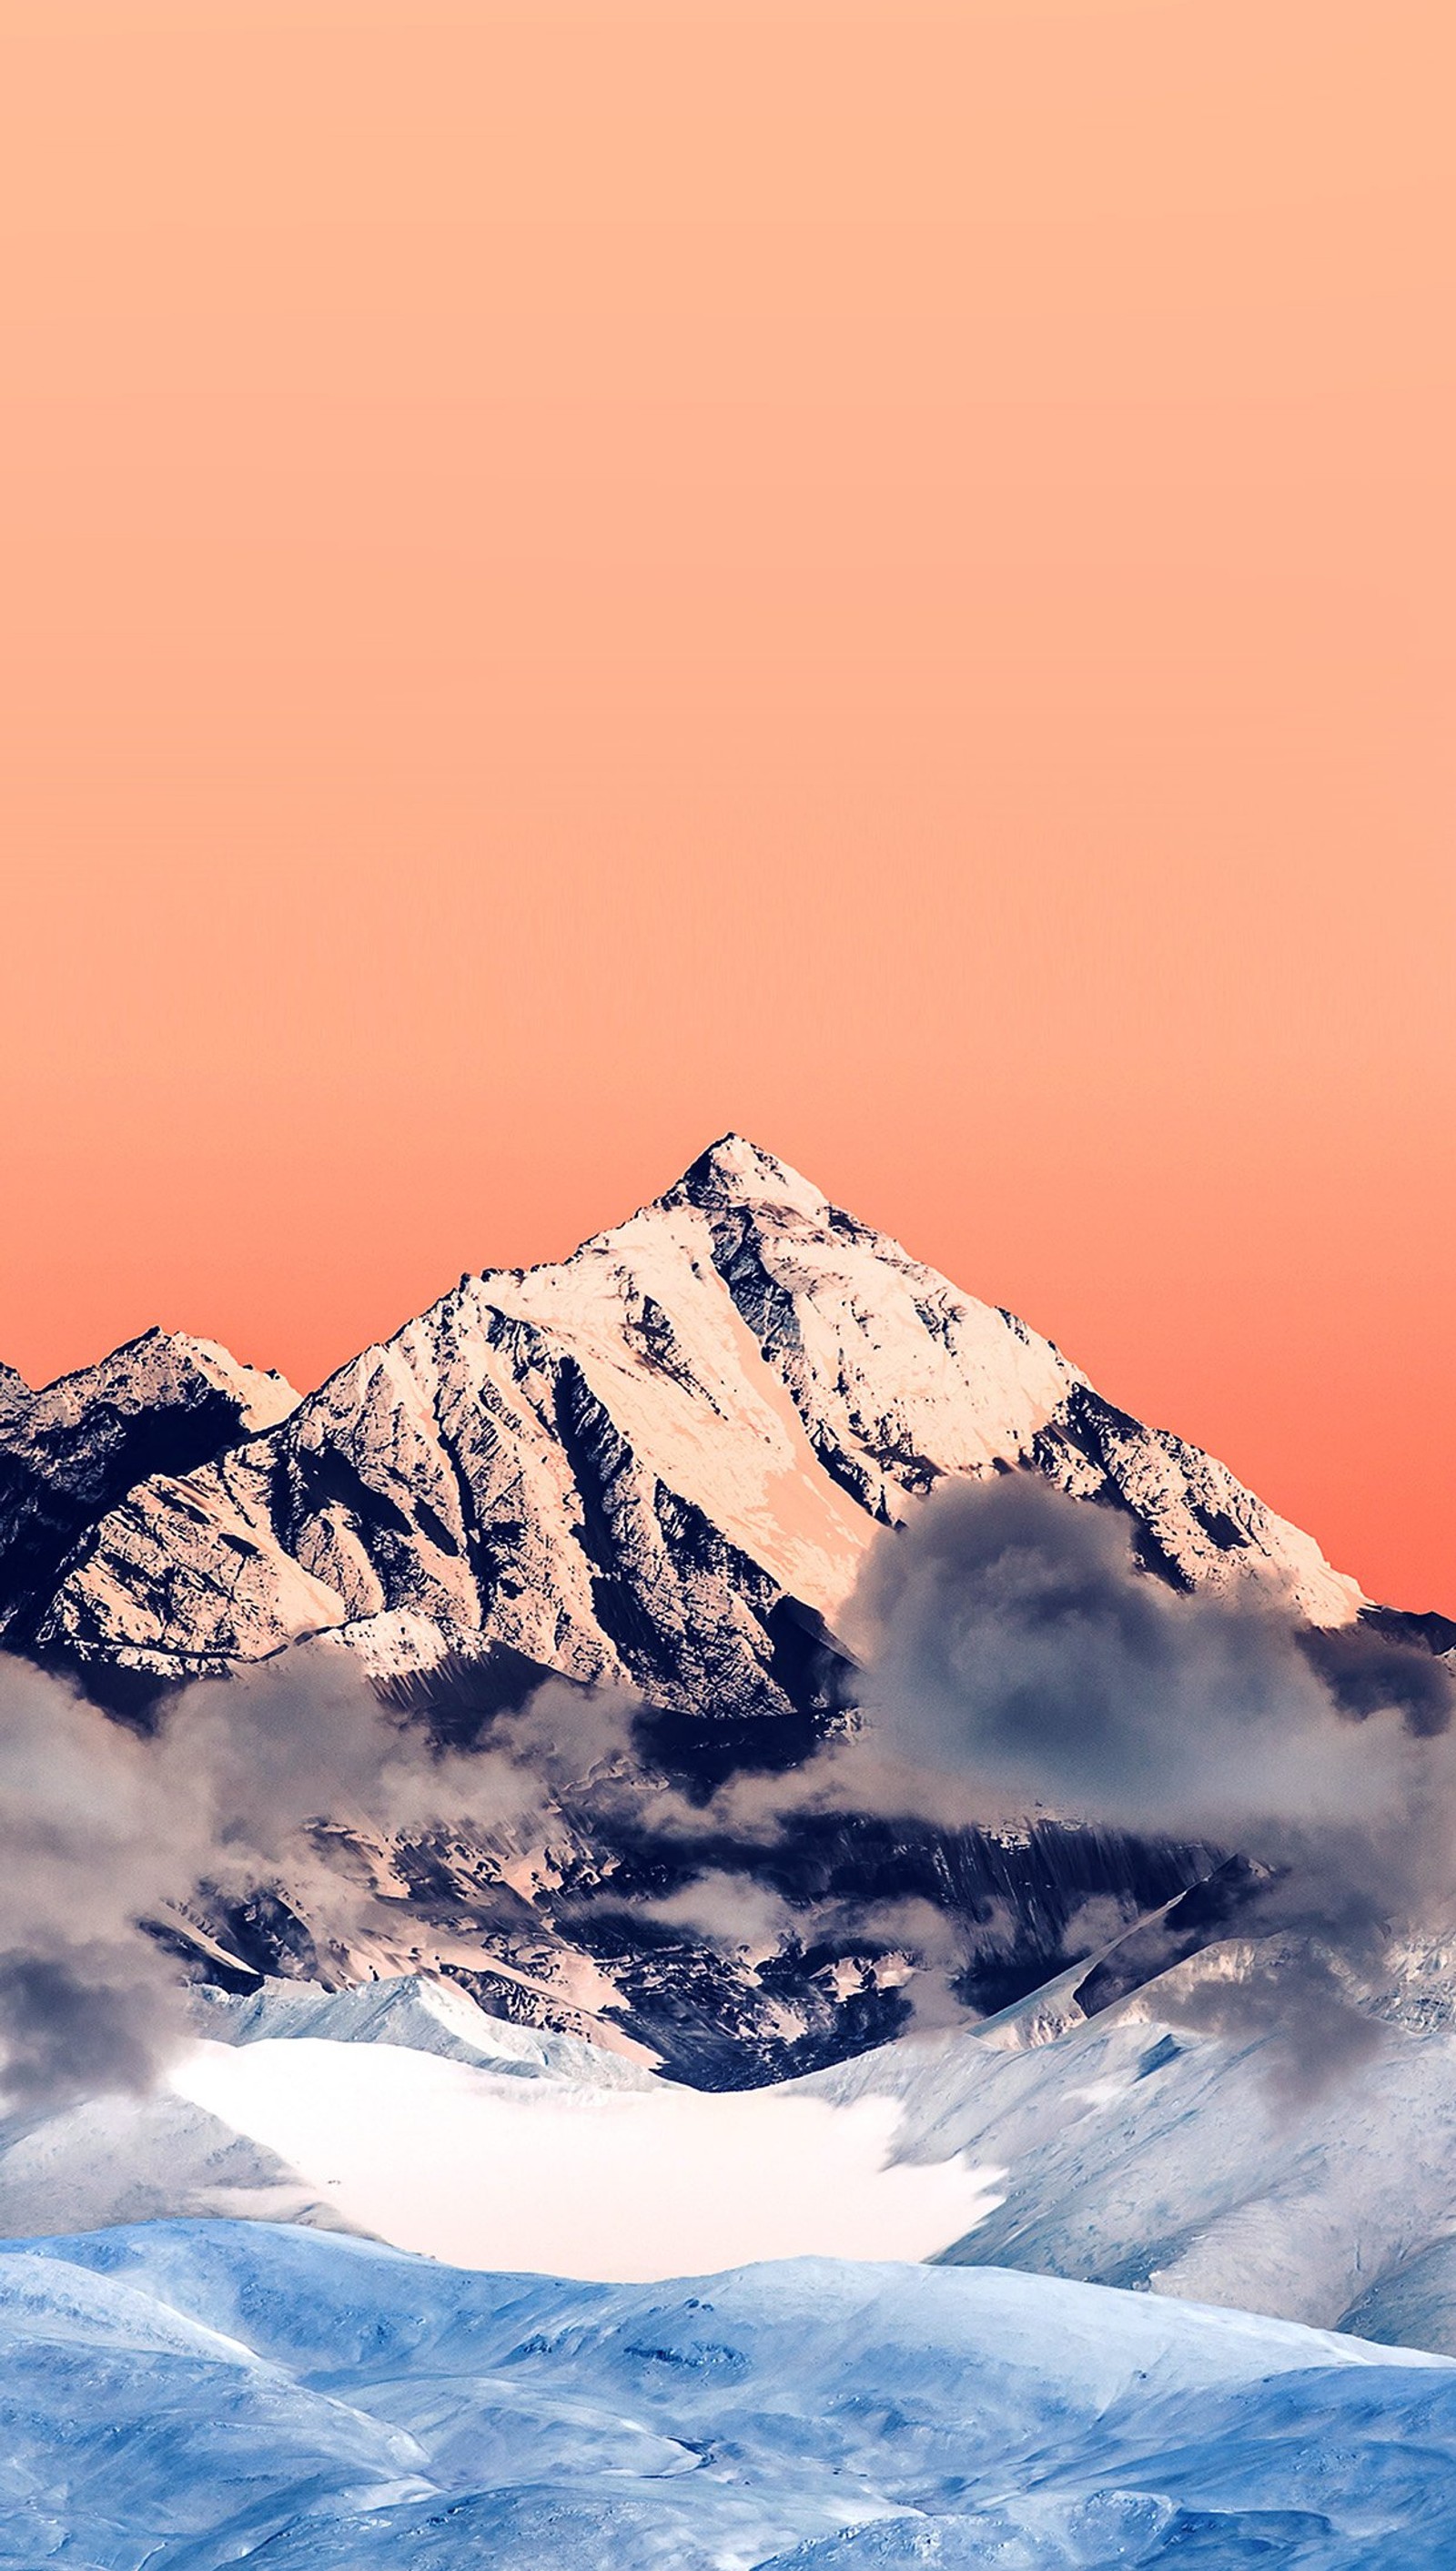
656	1467
661	1460
186	2395
650	1478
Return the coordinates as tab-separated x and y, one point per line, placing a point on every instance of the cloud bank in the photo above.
103	1830
1016	1655
1015	1659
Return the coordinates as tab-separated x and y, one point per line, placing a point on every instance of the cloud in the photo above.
1013	1643
1017	1658
1015	1661
1296	1992
103	1830
728	1909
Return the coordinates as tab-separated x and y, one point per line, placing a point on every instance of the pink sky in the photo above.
578	575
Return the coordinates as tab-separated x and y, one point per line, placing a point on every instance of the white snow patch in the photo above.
572	2180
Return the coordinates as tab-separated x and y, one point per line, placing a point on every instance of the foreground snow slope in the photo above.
627	1464
189	2395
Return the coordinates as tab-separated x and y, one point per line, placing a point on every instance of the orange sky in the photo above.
576	573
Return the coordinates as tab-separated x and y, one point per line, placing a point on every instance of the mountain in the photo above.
659	1461
1135	2152
190	2394
163	1403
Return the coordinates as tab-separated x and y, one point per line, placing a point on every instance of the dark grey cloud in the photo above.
1015	1651
77	2022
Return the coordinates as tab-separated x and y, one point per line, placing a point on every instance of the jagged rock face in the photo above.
626	1464
161	1403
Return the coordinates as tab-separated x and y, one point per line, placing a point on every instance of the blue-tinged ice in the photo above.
180	2395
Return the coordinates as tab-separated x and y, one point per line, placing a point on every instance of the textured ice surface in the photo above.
185	2395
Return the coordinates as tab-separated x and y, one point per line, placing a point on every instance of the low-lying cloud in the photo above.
1016	1652
1015	1659
103	1830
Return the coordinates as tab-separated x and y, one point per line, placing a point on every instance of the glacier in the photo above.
182	2396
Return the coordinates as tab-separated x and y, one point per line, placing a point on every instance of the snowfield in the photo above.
1127	2152
185	2395
584	2181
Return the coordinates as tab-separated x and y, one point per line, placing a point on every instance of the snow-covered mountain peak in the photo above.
158	1366
163	1367
264	1395
734	1171
162	1402
633	1462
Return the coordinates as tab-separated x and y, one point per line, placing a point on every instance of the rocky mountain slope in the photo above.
656	1464
163	1404
660	1460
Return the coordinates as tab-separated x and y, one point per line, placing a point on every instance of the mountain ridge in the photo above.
71	1449
623	1463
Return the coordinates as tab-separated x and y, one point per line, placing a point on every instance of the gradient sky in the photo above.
577	573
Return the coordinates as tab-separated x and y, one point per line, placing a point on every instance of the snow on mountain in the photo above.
658	1460
186	2395
401	2110
161	1403
1128	2151
1125	2151
1132	2152
422	2015
123	2159
146	2160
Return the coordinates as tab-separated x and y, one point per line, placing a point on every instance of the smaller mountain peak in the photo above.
165	1366
734	1172
15	1394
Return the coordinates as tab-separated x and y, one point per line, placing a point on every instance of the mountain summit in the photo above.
660	1459
161	1403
